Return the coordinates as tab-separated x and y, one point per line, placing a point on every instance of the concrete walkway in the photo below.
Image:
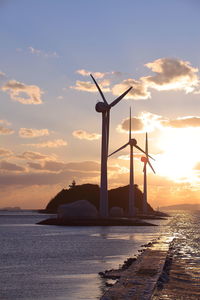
139	281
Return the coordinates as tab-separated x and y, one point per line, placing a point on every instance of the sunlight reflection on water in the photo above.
184	273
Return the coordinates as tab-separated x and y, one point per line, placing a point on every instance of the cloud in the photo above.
17	90
127	157
87	73
53	166
2	75
189	121
145	122
49	144
98	75
44	178
83	135
5	130
32	133
171	74
136	125
197	166
89	86
84	166
31	155
139	89
60	97
38	52
85	170
58	166
7	166
5	152
5	122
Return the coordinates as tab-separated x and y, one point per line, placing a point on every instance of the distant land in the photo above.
181	207
15	208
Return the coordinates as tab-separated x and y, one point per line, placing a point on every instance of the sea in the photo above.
55	262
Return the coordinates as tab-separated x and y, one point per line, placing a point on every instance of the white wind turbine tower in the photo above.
104	108
132	143
146	161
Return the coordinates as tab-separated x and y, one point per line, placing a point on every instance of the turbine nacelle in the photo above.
144	159
101	107
133	142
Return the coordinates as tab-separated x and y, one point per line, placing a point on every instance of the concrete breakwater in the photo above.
141	278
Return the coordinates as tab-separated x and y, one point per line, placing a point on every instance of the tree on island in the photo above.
73	184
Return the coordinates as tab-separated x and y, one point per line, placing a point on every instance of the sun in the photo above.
179	153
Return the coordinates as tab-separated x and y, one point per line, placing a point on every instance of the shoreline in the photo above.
97	222
143	275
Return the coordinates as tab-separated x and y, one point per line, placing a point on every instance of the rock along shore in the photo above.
96	222
142	277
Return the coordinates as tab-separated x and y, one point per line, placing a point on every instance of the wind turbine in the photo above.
146	161
104	109
132	143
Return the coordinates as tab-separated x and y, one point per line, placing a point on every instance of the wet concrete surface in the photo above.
140	279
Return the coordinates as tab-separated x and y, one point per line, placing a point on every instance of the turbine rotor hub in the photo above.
101	107
144	159
133	142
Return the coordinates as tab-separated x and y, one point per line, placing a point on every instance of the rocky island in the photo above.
79	206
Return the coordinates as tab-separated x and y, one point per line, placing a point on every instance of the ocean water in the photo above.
52	262
183	277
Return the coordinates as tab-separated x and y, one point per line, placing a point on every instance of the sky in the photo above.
50	133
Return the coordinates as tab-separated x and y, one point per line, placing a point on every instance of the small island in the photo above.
79	206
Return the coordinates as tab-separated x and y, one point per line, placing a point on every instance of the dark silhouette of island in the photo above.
79	206
117	197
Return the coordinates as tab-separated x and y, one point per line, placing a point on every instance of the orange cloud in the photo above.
172	74
139	89
31	132
49	144
98	75
5	130
87	73
197	166
31	155
189	121
8	166
5	152
17	89
5	122
84	135
89	86
146	121
136	125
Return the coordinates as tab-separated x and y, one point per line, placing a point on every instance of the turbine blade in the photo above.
119	149
119	98
100	91
146	144
136	146
130	125
151	167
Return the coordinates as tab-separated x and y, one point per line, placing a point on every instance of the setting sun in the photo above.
179	154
